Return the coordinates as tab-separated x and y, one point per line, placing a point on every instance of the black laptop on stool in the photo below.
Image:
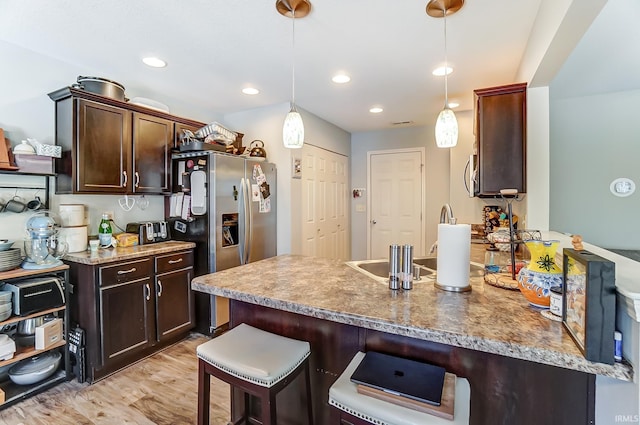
403	377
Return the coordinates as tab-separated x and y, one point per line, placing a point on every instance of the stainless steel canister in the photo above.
407	266
394	266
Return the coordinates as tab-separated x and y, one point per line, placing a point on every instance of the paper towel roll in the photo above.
454	255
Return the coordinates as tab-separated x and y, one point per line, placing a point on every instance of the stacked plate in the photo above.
10	259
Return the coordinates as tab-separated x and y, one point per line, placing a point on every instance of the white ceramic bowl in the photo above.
35	369
5	244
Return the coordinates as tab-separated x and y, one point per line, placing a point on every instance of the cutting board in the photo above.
445	410
5	153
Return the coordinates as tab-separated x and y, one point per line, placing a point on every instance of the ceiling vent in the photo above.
402	123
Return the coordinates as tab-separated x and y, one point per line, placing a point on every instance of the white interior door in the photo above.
325	225
396	201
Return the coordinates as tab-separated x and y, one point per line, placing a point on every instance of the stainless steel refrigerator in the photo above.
226	204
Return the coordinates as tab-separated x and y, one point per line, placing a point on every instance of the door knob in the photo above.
373	222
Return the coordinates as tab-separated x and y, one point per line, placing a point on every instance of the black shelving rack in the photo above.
45	186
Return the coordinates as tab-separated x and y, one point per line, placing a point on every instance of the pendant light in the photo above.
293	127
446	124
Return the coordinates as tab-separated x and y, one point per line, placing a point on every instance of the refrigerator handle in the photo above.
242	206
249	222
242	213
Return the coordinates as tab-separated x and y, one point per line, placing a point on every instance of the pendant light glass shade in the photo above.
446	129
293	129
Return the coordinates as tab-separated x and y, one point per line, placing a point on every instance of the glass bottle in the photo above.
104	231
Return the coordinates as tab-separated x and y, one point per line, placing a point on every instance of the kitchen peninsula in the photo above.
522	367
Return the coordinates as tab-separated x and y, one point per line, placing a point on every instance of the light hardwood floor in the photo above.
161	389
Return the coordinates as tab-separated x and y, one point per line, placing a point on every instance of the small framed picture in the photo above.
589	301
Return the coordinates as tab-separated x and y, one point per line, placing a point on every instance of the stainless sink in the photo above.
379	269
432	263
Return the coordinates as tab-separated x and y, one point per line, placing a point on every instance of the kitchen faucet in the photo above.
446	216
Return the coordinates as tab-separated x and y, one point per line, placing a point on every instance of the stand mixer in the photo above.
42	245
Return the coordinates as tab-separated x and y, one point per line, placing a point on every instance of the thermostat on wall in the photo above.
622	187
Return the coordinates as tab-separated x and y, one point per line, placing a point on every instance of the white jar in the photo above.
76	237
72	215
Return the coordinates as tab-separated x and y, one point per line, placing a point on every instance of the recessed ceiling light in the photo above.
440	71
453	105
376	110
341	78
250	90
154	62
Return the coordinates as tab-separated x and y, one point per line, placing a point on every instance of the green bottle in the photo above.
104	231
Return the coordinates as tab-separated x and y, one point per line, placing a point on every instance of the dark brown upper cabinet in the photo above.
501	135
113	147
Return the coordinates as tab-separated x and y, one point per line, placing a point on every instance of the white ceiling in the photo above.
214	48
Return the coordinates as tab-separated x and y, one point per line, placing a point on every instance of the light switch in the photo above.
361	207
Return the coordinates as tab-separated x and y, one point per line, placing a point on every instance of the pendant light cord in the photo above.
293	58
446	63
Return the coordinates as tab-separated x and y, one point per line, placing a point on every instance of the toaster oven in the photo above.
36	294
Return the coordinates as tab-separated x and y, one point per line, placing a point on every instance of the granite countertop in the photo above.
109	255
488	318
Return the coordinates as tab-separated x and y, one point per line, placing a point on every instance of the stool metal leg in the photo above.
204	388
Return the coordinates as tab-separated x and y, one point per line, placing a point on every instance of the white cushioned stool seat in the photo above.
254	355
256	363
344	395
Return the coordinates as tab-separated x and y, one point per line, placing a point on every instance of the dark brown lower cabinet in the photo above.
131	309
504	390
173	317
127	319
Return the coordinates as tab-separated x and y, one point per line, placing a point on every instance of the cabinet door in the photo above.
501	135
152	142
174	301
103	145
127	319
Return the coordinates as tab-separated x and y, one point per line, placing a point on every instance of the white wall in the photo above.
594	140
266	124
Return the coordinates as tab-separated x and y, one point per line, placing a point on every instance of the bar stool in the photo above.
258	363
356	408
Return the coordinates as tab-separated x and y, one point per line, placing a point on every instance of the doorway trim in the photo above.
423	212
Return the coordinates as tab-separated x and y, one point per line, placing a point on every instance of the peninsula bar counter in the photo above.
522	367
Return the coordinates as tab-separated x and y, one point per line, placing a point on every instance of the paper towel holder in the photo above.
453	288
